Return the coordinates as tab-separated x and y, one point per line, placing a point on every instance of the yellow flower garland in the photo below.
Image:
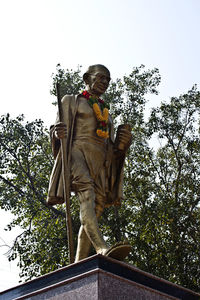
101	116
102	133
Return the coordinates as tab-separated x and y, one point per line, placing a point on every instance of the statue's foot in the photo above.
119	251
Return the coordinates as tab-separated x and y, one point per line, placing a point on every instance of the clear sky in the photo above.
36	35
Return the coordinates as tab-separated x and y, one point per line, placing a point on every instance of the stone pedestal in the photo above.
98	277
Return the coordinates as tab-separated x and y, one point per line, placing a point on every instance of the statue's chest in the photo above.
84	110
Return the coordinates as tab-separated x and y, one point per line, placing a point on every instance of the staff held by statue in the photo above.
66	181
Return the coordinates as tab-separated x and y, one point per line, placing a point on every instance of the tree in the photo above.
162	189
160	214
26	163
176	193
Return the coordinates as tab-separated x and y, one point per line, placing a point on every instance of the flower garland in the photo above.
101	114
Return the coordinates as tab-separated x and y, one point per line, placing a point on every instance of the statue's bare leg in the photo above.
83	245
89	230
118	251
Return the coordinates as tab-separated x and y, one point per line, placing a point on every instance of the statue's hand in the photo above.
60	130
125	137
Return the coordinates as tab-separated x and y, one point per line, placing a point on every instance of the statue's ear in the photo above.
85	78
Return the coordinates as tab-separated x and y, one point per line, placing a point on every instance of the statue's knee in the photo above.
86	196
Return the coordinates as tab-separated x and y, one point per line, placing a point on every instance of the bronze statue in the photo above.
96	160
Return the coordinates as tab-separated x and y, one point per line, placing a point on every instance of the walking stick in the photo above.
66	181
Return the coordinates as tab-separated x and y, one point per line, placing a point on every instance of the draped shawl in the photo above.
114	163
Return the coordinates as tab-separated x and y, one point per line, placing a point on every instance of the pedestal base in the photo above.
98	277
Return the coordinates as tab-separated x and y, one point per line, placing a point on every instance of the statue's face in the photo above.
98	81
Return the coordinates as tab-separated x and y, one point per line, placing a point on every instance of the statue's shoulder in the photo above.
69	103
68	98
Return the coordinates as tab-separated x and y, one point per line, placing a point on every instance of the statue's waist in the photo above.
90	139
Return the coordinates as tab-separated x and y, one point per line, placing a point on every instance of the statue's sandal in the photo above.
119	251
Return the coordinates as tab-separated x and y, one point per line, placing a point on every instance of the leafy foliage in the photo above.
70	81
25	165
162	191
160	214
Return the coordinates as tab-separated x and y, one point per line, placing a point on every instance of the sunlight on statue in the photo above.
95	159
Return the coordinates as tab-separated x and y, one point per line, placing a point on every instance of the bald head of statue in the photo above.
97	79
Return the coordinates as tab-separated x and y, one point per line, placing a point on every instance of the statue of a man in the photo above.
96	160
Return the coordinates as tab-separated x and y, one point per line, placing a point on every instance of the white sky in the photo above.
36	35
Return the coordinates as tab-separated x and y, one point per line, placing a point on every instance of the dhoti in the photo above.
88	170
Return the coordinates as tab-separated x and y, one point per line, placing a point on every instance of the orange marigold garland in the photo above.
101	113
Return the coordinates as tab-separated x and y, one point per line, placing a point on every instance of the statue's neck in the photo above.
95	95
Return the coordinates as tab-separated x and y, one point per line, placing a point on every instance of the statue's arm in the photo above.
58	131
55	143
